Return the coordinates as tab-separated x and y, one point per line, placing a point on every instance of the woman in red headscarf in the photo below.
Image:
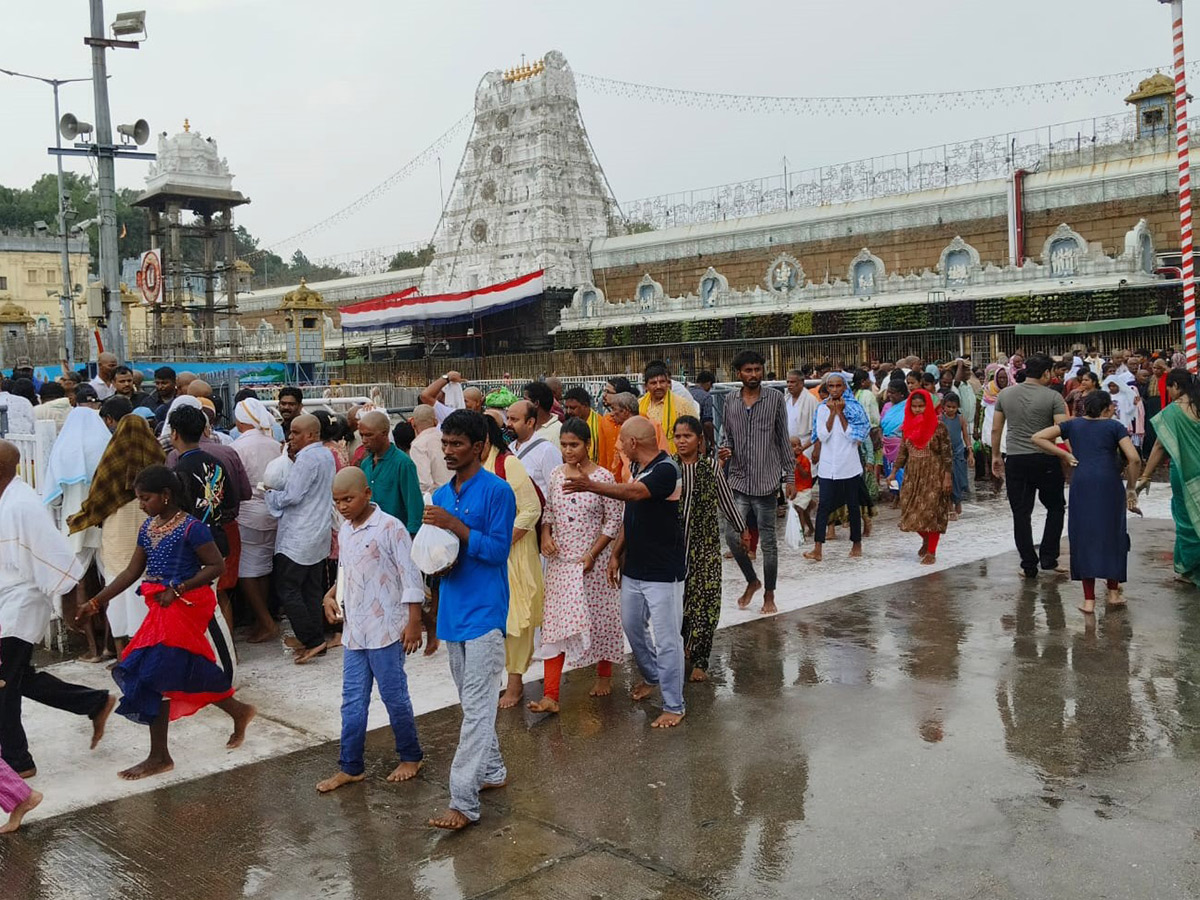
928	464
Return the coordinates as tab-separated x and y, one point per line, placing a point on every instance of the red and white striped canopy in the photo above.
408	307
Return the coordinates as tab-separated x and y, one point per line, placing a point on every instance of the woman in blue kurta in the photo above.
1100	449
170	669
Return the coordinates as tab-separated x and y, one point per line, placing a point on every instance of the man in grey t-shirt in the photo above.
1027	408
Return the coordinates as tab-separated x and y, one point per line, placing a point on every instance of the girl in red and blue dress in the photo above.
177	662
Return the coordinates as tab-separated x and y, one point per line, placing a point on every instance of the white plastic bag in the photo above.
275	475
434	549
793	535
453	394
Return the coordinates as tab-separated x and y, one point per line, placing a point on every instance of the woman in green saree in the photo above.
1178	431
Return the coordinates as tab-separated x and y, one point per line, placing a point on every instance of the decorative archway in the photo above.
958	263
784	275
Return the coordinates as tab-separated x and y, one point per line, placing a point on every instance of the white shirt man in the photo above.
800	407
426	450
539	455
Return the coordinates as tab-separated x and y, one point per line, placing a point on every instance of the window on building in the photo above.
51	276
31	276
3	282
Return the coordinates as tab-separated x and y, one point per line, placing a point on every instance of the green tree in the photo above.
407	259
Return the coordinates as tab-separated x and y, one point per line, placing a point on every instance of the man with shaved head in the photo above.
558	409
435	395
106	374
37	565
390	471
302	542
426	450
649	562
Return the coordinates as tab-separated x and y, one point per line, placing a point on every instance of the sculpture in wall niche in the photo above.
866	273
784	275
588	299
1139	248
958	262
712	284
649	292
1063	252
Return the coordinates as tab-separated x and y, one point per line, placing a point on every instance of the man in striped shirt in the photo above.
756	444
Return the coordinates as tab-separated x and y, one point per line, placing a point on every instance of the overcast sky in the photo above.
313	103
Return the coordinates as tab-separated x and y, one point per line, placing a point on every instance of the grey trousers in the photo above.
652	615
476	666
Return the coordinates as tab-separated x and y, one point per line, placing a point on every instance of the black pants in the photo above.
1028	474
22	680
837	492
300	591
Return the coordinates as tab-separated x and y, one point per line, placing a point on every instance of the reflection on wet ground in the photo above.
965	734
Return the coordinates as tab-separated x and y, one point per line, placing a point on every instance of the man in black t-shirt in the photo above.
649	561
209	493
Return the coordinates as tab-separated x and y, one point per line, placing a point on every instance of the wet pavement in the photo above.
961	734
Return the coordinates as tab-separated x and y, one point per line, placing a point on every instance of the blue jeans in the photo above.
361	668
763	509
652	615
476	666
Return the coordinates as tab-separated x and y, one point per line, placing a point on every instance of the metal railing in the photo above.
1084	142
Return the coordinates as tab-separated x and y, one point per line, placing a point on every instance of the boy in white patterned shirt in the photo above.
381	592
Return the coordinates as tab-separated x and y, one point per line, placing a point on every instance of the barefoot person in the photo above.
256	447
755	443
381	593
170	670
525	579
582	620
16	797
303	541
704	492
1096	516
927	461
479	509
649	562
840	424
37	565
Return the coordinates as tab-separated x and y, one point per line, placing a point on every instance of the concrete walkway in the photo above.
961	734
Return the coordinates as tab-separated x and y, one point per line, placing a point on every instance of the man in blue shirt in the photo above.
479	509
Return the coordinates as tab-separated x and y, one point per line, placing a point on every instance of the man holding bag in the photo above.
479	509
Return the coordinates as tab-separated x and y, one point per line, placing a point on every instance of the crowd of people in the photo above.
581	519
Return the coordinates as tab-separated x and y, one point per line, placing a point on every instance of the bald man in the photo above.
37	564
106	374
200	388
649	561
302	542
426	450
557	409
390	471
434	395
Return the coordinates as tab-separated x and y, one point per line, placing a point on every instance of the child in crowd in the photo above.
960	447
803	500
380	592
173	666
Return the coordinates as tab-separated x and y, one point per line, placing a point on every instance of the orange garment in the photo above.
804	479
604	442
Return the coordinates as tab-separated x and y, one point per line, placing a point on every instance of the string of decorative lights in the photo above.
429	154
885	104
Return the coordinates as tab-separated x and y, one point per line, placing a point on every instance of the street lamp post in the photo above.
67	294
1185	189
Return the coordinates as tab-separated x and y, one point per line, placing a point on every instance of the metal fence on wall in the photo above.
1084	142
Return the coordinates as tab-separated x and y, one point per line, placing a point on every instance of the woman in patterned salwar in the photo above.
704	490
